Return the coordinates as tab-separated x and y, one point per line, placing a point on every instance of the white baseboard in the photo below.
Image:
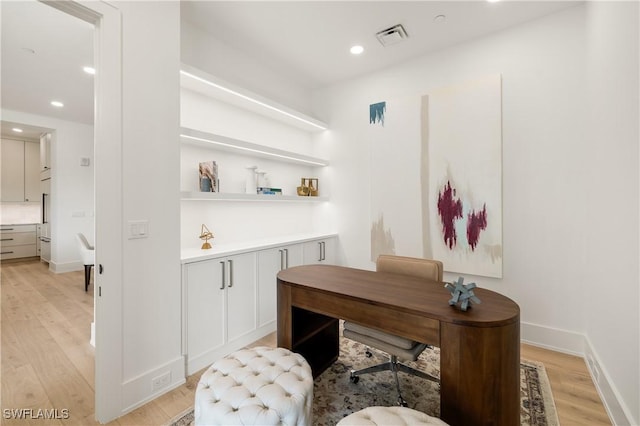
138	391
554	339
618	412
573	343
60	268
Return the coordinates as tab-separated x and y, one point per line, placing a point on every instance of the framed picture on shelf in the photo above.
208	174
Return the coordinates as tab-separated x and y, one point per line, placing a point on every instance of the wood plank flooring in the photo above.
48	363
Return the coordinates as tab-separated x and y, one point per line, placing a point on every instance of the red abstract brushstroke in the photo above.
449	209
476	222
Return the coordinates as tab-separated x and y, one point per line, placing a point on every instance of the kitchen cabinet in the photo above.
270	262
20	177
221	305
17	241
45	156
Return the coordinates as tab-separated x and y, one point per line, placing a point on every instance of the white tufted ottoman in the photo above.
396	416
257	386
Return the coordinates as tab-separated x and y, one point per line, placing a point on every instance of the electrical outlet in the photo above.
160	382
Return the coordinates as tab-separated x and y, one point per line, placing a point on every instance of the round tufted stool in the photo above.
257	386
397	416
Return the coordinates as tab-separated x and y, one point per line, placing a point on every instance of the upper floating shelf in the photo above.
199	81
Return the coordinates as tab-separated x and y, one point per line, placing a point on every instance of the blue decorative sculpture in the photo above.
462	293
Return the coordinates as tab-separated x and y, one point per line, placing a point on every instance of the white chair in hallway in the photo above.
88	255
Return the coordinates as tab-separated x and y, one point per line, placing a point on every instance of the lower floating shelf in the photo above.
221	196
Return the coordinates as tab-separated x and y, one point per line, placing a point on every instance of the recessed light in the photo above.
17	129
89	70
440	18
57	104
493	1
356	50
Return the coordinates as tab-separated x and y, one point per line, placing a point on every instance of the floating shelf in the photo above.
211	140
222	196
199	81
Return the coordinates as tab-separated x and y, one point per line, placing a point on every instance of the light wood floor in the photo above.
47	362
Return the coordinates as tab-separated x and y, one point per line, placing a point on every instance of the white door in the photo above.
205	295
320	251
270	262
241	295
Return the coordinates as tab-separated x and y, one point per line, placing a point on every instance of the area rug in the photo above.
335	396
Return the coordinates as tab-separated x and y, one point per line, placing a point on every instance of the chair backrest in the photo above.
424	268
86	250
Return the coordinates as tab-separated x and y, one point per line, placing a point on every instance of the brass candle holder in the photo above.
308	187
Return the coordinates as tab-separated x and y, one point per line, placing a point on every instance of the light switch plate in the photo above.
138	229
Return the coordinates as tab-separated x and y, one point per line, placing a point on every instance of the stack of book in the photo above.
269	191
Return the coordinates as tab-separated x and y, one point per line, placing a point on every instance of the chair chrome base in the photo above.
394	366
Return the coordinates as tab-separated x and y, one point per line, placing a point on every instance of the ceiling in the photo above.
44	50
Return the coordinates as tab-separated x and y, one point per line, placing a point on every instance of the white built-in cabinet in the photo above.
230	300
221	300
229	292
270	262
320	251
20	174
45	156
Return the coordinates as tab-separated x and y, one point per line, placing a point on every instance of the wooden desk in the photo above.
479	349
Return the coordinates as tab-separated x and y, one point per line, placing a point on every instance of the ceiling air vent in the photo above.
391	35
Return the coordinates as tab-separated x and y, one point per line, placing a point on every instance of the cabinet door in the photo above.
241	295
32	172
45	152
320	251
270	262
205	306
12	170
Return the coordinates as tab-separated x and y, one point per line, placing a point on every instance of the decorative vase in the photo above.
250	183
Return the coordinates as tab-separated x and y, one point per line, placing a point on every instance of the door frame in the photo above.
108	279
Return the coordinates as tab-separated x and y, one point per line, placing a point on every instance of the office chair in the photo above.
395	346
87	253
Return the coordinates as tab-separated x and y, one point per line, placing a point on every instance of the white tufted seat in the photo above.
397	416
257	386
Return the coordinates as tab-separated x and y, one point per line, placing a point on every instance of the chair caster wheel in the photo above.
354	379
402	402
368	354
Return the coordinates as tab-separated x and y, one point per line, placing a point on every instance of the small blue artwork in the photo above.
376	113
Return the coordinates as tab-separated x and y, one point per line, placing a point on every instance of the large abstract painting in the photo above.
461	175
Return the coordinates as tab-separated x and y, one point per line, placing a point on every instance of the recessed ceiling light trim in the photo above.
57	104
356	50
89	70
17	130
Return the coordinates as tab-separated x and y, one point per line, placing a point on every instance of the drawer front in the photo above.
17	228
16	252
8	239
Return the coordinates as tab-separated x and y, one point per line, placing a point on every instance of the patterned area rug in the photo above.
335	396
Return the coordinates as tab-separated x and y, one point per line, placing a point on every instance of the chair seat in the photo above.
409	354
397	416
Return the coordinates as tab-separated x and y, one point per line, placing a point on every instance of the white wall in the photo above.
201	50
549	156
72	204
613	323
150	191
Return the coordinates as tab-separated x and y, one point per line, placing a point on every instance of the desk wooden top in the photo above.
404	293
